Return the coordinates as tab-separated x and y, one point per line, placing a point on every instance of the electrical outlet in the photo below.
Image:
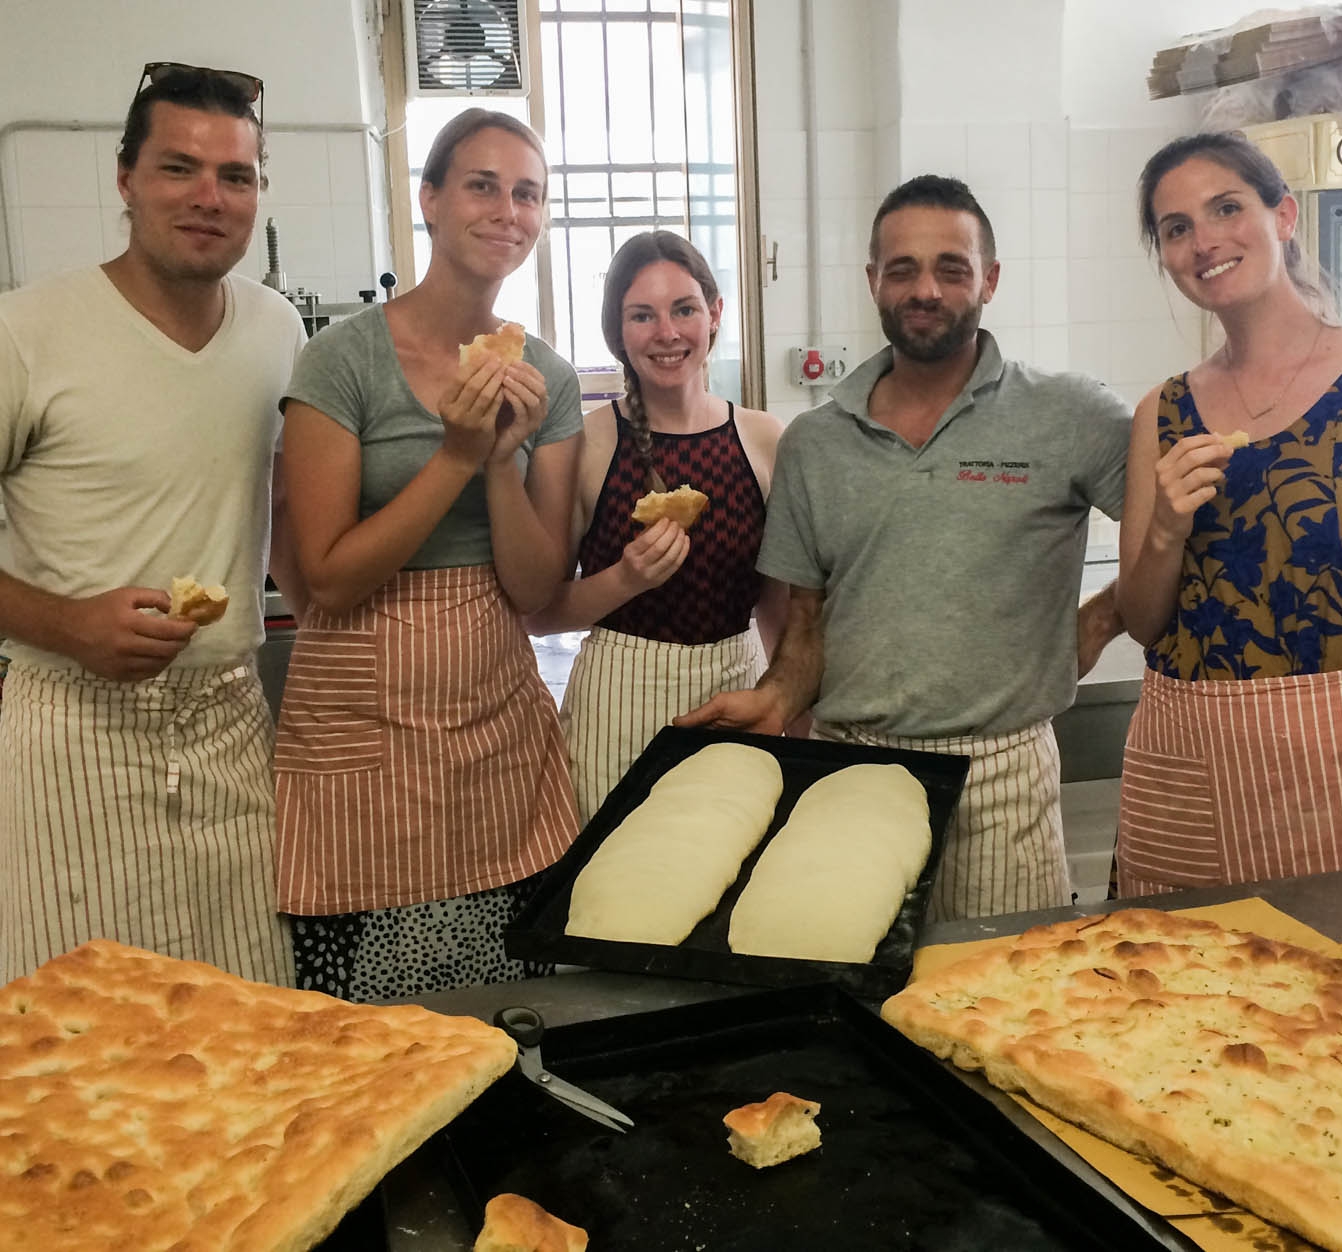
816	366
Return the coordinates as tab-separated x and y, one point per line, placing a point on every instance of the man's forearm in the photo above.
798	663
33	616
1098	623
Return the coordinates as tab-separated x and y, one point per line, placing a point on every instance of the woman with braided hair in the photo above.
670	609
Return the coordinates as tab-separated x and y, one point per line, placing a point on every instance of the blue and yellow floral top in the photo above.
1260	593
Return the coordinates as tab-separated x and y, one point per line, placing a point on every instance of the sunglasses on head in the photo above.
249	85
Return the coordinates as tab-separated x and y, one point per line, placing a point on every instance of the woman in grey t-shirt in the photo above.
422	780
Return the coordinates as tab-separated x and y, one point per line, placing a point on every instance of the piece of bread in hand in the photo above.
506	343
1236	439
515	1224
774	1130
682	505
198	604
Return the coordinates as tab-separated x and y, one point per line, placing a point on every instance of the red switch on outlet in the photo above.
813	364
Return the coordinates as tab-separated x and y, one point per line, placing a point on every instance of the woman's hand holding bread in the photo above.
469	407
652	556
524	406
1187	476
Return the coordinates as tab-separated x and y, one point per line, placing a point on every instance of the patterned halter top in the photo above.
710	597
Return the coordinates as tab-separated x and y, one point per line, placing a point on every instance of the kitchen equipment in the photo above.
527	1028
538	933
913	1156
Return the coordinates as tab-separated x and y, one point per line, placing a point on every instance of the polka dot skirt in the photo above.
399	953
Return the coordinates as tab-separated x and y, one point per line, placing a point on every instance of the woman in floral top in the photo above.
1231	552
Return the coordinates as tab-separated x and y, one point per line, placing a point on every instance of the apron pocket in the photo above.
1167	820
330	721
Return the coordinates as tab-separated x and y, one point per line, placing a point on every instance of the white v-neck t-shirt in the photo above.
126	459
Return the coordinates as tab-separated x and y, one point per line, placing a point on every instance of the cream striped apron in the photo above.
142	812
1004	846
1231	781
624	689
419	755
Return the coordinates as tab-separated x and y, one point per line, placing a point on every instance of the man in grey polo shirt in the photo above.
931	520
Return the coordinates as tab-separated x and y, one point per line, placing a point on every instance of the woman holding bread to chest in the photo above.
421	776
1230	551
671	496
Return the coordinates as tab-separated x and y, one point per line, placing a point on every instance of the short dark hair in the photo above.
461	128
935	191
203	89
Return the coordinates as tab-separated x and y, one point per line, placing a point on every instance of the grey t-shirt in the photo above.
350	372
951	572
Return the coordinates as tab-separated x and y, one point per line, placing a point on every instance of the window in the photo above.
637	100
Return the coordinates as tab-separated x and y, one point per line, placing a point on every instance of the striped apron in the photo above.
1004	847
625	688
419	755
1231	781
142	812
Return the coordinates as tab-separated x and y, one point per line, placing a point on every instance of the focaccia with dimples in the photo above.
153	1104
1214	1052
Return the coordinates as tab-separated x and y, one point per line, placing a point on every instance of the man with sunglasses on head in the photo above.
138	427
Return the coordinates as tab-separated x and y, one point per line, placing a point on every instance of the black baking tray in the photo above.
912	1158
538	932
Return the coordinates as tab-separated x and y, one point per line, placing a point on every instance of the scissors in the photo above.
527	1028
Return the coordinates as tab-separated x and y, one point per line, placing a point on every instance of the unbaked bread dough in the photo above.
830	883
664	868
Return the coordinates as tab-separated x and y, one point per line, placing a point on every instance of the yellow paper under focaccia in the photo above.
1213	1052
156	1105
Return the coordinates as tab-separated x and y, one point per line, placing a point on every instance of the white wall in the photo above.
1041	106
79	61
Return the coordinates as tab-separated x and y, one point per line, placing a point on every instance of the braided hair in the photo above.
634	256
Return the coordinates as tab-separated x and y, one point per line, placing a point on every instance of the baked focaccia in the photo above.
154	1104
1215	1053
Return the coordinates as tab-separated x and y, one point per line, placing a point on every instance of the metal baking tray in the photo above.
538	933
912	1157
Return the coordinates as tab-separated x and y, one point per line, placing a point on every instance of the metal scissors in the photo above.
527	1028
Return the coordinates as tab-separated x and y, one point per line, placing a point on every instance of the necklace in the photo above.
1252	416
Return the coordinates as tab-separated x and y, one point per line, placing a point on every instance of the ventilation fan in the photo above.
465	47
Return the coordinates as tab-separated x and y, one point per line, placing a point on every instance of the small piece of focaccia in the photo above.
506	343
774	1130
195	603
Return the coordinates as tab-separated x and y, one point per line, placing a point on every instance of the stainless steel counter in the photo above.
423	1219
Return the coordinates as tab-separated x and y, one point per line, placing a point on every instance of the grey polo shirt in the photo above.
350	372
951	572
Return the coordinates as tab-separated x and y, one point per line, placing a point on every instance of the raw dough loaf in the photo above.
154	1104
1213	1052
664	868
828	886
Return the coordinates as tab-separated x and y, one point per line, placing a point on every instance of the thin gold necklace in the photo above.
1252	416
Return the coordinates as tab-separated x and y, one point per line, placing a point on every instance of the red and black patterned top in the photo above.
711	595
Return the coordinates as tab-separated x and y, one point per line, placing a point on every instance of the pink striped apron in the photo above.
1004	847
418	755
1231	781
